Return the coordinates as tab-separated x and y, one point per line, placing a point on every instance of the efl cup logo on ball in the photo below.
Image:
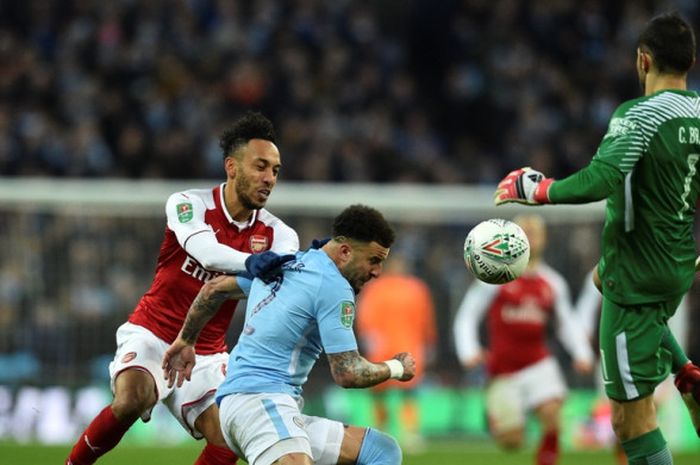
496	251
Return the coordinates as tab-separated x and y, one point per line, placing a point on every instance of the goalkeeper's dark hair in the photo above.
364	224
252	125
671	42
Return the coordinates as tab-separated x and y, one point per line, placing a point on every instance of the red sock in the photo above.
99	437
215	455
548	452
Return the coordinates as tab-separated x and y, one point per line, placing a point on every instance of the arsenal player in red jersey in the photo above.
523	375
224	229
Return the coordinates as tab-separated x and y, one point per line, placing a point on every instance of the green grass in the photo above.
438	453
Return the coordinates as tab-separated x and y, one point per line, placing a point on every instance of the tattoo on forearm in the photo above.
356	371
205	305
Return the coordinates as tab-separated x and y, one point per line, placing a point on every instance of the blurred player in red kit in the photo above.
518	359
396	311
209	232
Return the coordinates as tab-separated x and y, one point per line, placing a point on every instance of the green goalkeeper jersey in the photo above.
647	167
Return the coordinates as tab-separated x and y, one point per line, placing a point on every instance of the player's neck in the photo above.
332	249
234	207
659	82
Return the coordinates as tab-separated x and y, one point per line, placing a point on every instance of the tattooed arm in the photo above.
179	359
208	301
351	370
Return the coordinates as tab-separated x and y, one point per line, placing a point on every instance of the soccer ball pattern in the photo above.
496	251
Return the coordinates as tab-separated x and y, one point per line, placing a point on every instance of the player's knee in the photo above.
128	408
132	399
510	440
623	429
379	449
510	444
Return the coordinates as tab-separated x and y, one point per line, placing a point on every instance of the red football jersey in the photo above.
517	315
517	323
179	275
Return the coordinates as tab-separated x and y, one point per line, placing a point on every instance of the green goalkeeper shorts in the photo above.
633	361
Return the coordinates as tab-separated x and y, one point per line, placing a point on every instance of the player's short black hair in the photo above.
252	125
364	224
671	41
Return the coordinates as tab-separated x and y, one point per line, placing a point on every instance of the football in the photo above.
496	251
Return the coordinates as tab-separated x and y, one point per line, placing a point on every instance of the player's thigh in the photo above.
504	406
332	442
634	418
264	428
135	372
136	387
193	404
207	424
633	362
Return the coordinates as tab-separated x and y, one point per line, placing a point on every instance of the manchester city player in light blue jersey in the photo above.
308	308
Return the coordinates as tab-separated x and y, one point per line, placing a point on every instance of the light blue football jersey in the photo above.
287	326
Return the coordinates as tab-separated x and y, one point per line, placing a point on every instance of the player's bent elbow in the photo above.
345	380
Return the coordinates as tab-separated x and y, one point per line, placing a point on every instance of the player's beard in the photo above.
355	276
243	185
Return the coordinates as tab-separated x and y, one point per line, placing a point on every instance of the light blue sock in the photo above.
379	449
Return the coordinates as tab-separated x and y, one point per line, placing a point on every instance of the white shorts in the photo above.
261	428
139	348
509	397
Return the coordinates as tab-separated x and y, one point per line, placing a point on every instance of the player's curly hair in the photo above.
671	41
364	224
252	125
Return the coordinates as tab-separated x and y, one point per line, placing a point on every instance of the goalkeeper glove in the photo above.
267	265
523	185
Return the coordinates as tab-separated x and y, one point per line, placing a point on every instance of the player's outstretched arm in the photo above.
179	359
351	370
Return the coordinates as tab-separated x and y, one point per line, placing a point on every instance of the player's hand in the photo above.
409	365
525	186
178	362
267	265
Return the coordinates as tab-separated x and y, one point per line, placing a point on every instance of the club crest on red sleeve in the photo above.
258	243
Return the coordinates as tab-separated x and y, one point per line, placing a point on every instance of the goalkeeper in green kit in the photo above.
648	168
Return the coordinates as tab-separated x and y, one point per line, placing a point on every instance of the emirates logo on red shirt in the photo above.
257	243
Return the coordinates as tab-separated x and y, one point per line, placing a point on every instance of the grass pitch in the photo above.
438	453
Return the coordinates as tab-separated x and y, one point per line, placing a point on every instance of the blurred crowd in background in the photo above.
381	91
359	91
68	280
